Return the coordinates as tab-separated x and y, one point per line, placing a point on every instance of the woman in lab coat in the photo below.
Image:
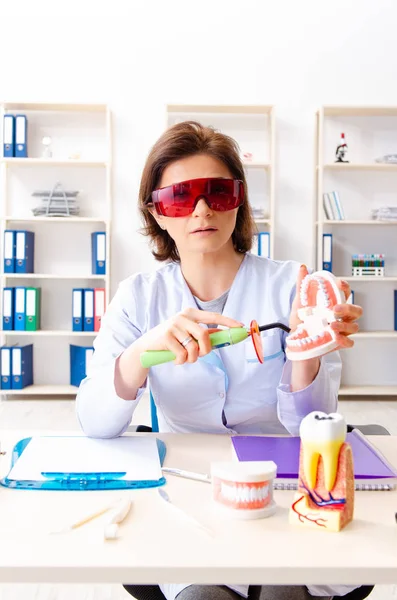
194	203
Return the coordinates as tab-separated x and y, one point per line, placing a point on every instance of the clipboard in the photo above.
79	481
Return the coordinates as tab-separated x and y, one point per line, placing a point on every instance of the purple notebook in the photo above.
371	469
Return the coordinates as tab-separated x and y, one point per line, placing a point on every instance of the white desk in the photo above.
155	546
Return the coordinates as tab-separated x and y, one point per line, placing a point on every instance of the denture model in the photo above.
314	336
325	496
244	490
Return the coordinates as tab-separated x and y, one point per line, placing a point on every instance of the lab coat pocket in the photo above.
262	379
271	347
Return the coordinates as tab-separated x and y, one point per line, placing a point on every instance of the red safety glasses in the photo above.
180	199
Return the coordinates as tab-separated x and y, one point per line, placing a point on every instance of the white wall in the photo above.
138	56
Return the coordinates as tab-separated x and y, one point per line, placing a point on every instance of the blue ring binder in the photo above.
80	481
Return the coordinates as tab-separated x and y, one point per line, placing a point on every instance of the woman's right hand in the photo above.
130	375
181	327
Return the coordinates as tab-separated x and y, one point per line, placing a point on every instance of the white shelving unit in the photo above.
51	162
359	167
369	369
82	132
41	391
253	127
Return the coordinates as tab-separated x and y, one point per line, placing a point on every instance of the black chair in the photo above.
145	592
153	592
369	429
359	593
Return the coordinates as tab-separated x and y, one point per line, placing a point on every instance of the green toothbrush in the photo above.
219	339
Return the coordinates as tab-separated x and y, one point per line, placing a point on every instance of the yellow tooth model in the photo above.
322	435
325	497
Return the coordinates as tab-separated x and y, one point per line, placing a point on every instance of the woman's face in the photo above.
205	230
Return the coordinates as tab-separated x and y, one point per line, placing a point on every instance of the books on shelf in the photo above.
21	308
80	357
350	299
98	252
8	136
15	130
88	308
395	310
18	251
333	208
16	367
327	252
261	244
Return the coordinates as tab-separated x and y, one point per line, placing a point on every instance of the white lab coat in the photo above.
227	391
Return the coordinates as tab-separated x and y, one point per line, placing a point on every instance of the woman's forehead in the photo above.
193	167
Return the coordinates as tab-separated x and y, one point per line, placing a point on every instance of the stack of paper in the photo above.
44	457
56	202
390	159
384	213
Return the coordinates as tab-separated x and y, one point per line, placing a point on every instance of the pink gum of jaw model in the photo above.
314	337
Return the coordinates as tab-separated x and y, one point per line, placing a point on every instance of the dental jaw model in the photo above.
314	337
325	496
244	490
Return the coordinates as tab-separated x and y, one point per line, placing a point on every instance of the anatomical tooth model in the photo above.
315	337
325	496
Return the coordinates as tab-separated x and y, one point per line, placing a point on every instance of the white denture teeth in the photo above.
244	493
314	337
244	490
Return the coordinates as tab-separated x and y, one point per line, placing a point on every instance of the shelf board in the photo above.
359	167
367	278
360	111
53	162
42	390
48	276
256	165
51	332
55	219
368	390
60	107
355	222
254	109
375	334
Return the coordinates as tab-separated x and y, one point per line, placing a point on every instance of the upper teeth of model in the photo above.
316	319
322	293
322	434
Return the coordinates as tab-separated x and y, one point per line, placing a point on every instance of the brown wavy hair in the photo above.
180	141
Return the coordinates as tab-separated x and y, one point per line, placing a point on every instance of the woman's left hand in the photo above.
347	313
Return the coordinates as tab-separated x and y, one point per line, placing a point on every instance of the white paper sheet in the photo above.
138	457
